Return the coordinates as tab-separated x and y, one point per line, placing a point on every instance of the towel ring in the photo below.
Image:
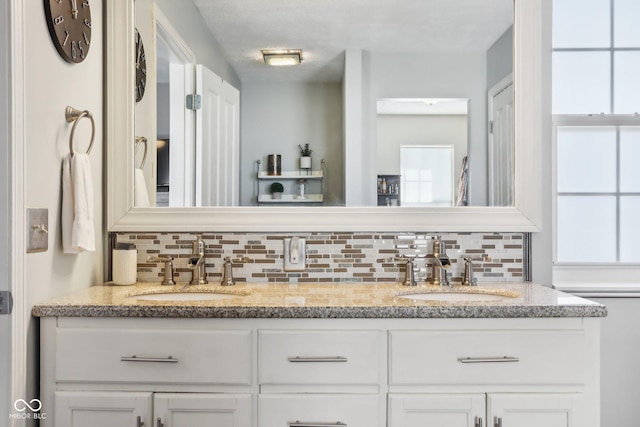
139	141
73	115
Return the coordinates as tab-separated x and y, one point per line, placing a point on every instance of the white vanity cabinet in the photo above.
109	409
320	372
493	410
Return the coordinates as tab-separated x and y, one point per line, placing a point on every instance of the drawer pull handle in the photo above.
498	422
478	422
135	358
139	422
488	359
301	424
299	359
159	422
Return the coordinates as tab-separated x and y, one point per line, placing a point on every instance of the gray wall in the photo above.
276	117
500	58
186	19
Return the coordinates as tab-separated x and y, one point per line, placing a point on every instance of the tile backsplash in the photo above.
331	257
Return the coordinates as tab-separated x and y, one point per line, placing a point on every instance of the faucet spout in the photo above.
197	263
440	264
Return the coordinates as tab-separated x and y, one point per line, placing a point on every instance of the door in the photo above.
436	410
501	144
102	409
217	141
198	409
535	410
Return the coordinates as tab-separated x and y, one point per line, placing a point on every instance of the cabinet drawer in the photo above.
319	357
487	357
320	410
153	356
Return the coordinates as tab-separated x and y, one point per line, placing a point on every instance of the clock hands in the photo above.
74	9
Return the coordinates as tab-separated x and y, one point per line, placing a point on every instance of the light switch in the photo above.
37	230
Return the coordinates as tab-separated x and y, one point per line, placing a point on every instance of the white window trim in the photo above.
590	279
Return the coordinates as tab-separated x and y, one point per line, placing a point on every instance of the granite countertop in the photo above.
320	301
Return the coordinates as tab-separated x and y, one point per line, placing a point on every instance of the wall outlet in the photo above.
295	254
37	230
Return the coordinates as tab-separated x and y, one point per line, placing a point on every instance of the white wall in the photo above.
441	75
276	117
50	85
620	372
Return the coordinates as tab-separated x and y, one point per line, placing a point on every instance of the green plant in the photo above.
305	151
276	187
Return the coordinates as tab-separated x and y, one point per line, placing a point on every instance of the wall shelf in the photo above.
315	187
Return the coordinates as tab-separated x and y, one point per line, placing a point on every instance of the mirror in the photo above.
284	106
359	114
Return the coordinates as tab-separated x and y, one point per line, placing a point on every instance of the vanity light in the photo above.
282	57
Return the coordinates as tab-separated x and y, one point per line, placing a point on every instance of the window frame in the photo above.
590	278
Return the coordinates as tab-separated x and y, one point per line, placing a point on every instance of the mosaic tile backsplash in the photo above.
331	257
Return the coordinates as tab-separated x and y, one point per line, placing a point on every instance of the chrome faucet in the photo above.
227	270
409	275
196	263
440	263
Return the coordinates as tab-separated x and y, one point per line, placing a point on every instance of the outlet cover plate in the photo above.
37	230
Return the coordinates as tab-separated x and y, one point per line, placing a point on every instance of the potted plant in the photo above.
305	159
276	190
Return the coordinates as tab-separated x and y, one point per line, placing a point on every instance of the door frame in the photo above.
12	204
496	89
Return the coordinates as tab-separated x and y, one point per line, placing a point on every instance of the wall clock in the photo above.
69	23
141	68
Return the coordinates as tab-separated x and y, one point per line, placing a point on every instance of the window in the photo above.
596	101
427	175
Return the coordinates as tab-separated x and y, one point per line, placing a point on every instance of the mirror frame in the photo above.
525	216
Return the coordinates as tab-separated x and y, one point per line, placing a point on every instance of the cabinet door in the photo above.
202	409
436	410
536	409
102	409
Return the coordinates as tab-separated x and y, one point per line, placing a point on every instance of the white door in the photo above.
536	409
102	409
196	409
437	410
217	141
501	144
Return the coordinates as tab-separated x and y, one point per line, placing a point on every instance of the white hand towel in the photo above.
141	196
78	229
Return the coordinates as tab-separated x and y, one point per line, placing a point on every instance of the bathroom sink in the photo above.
186	296
459	296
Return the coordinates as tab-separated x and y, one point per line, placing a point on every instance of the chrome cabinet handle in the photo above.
478	422
301	424
498	422
159	422
488	359
139	422
135	358
299	359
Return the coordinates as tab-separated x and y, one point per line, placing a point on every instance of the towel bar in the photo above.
141	140
73	115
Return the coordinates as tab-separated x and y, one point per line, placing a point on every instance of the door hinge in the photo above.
491	126
194	101
6	302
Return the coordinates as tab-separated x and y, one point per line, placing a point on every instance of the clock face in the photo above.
141	68
69	23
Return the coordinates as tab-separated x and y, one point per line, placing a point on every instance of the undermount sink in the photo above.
459	296
185	296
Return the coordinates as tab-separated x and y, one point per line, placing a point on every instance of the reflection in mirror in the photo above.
464	53
422	152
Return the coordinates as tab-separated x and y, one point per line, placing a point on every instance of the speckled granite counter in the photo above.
320	301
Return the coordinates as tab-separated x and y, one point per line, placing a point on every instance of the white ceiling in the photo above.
323	29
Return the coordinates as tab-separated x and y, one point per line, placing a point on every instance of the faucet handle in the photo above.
168	268
467	278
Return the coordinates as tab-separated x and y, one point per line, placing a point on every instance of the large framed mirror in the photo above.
524	215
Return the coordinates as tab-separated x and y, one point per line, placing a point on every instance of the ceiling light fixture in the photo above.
282	57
